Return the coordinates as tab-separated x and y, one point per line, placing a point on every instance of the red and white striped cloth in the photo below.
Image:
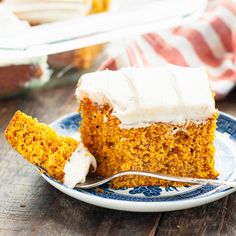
208	42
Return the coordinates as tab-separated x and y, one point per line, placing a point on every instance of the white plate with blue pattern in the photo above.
157	198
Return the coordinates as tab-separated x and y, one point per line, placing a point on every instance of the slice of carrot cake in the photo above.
149	119
62	158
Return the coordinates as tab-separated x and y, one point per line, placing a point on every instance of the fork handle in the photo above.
176	178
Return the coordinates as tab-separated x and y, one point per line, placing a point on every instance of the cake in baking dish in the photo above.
149	119
39	12
17	73
82	58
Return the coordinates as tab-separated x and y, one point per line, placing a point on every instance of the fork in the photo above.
92	181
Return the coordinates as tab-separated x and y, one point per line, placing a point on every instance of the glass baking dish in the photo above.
58	40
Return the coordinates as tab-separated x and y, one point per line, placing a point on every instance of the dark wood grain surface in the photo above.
30	206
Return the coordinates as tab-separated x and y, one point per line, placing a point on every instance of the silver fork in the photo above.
92	182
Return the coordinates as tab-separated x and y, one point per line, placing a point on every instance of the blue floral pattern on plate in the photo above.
147	191
226	125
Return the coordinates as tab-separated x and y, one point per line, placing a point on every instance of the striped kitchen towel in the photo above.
208	42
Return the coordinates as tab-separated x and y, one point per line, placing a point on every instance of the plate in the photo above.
157	198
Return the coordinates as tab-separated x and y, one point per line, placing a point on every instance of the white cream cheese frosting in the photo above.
77	167
142	96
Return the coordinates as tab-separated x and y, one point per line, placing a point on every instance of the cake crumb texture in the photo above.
40	144
180	150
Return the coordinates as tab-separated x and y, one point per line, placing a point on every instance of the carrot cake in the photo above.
62	158
39	12
149	119
17	73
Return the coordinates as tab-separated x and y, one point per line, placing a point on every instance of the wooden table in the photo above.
30	206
